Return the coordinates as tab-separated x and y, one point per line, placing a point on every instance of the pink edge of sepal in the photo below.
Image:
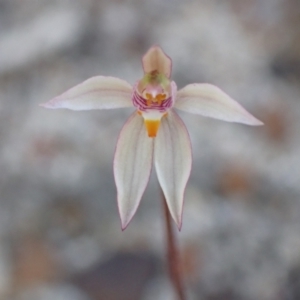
179	218
179	225
125	223
44	105
184	193
48	104
210	101
98	92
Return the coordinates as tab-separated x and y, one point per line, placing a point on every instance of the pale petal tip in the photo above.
179	224
177	218
50	104
125	220
124	225
257	122
126	215
252	121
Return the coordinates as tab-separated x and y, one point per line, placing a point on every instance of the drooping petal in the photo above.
210	101
132	166
98	92
155	59
173	162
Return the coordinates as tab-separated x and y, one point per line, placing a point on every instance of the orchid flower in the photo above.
154	131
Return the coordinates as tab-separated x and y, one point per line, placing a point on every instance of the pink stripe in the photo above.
141	103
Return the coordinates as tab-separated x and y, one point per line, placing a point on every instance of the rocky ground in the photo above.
60	235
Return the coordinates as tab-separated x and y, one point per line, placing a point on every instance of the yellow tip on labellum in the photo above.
152	127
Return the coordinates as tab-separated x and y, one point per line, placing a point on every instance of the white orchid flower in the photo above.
154	130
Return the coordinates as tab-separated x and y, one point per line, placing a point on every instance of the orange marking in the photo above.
152	127
158	99
149	99
161	97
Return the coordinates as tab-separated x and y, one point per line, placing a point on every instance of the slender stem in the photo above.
173	255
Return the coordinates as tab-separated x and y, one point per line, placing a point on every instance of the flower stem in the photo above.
173	255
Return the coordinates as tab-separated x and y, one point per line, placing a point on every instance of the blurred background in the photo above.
60	234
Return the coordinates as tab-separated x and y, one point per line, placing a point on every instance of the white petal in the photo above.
132	166
173	162
210	101
98	92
